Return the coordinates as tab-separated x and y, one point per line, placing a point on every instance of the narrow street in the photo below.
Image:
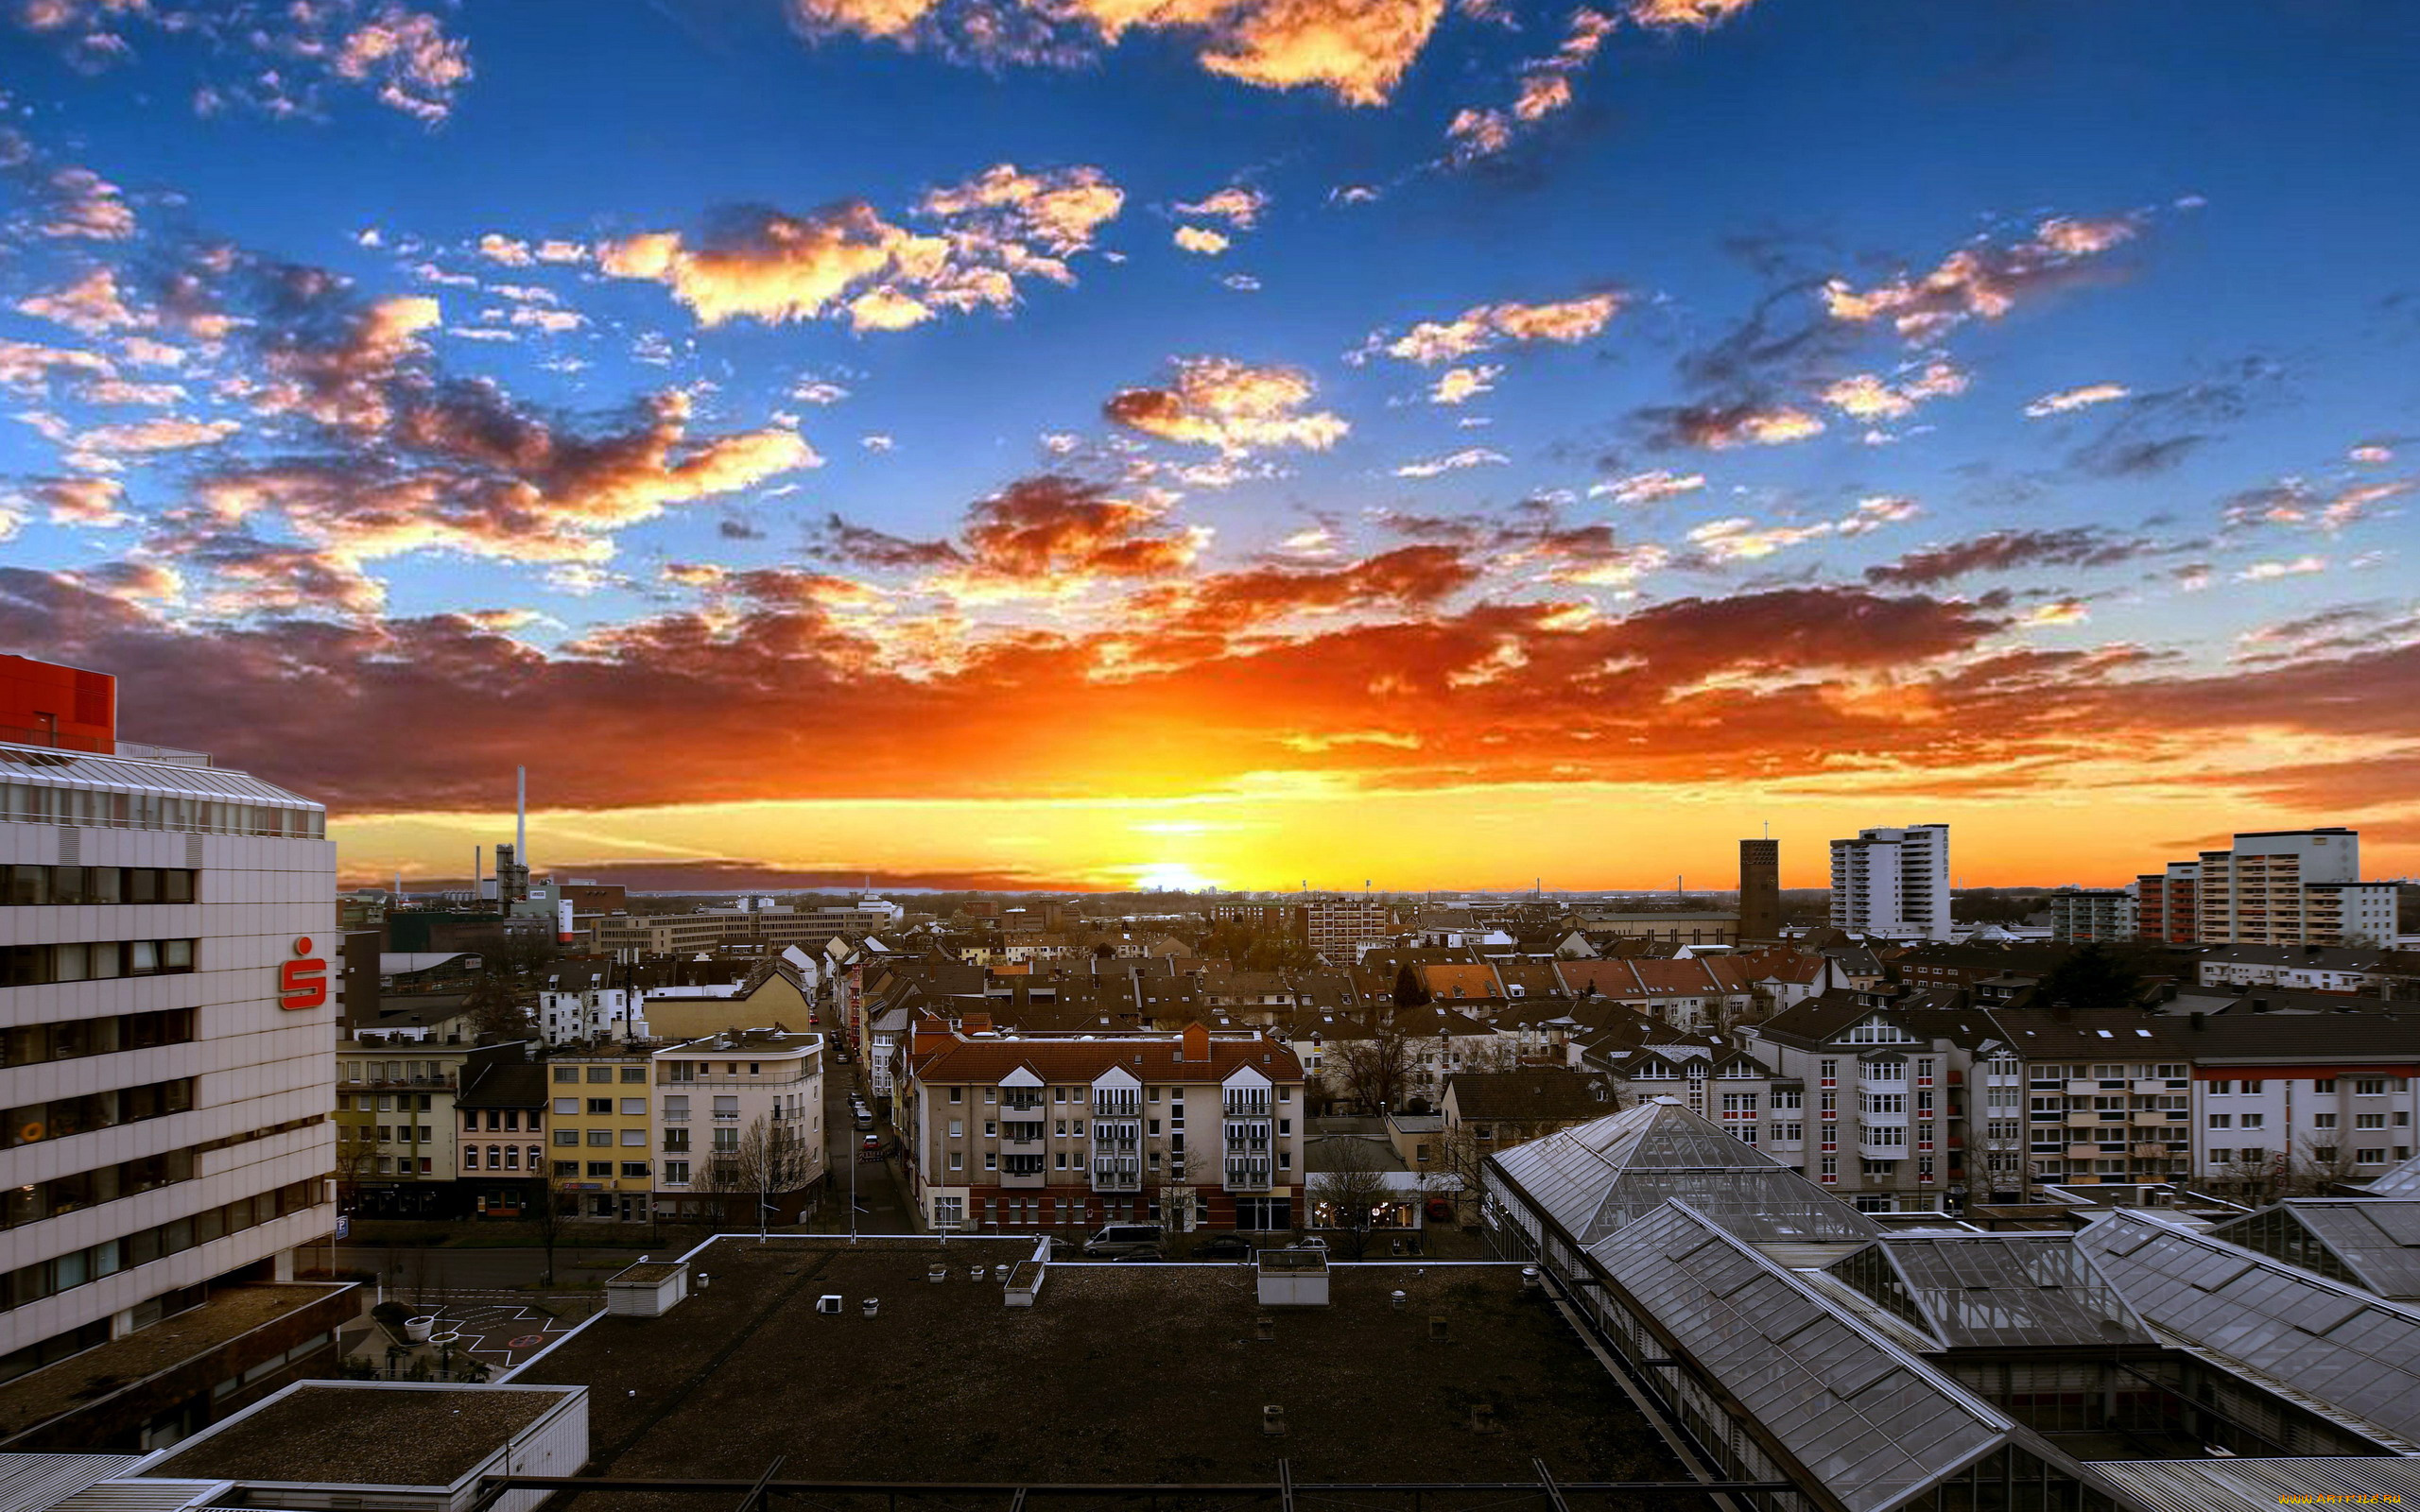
880	1207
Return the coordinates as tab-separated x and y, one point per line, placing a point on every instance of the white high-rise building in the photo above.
1892	882
169	1018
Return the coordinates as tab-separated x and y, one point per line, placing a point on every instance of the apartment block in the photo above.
2291	888
1864	1095
1336	929
601	1133
2092	915
166	925
739	1119
397	1154
1894	883
2166	911
1027	1132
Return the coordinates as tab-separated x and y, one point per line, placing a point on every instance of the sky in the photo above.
1250	444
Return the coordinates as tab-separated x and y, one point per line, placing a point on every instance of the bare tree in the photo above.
495	1011
1176	1185
770	1159
1355	1194
1375	1073
2315	1169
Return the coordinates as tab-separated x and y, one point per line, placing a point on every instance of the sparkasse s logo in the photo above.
302	982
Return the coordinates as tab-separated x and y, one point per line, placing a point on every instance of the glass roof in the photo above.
2325	1340
1872	1423
2376	1239
2398	1181
1597	1176
45	768
2012	1290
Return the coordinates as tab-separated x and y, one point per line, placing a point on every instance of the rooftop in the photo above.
81	1379
361	1434
1118	1373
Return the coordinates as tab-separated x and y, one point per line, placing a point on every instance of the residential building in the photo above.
1876	1082
2291	888
1892	882
1493	1110
1760	890
1676	927
165	929
2296	1101
1337	928
2165	907
1032	1131
2092	915
2309	967
503	1107
739	1122
775	992
396	1151
601	1132
2108	1095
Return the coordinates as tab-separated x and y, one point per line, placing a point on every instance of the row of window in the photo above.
2256	1154
600	1073
601	1170
1031	1096
61	1117
2363	1087
30	1044
33	886
384	1102
26	804
98	960
601	1106
38	1200
32	1283
605	1138
1062	1160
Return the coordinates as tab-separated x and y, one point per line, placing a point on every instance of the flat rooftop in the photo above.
1118	1373
80	1379
361	1438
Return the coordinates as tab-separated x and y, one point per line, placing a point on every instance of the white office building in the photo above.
1894	883
170	1025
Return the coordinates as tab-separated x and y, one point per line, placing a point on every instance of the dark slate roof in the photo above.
506	1084
1539	1093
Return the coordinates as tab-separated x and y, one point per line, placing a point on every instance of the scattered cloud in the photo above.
1484	326
1648	488
1469	456
2001	551
1200	239
2073	399
1985	280
1232	405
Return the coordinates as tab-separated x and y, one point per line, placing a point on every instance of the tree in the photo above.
2316	1169
1375	1072
2092	977
494	1009
545	1211
768	1160
1176	1187
1354	1194
1411	993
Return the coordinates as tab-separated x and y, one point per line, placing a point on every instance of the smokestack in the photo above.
521	814
479	869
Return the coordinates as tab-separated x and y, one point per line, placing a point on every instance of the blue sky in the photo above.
2192	221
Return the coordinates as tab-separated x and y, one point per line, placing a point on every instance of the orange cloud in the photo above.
1003	225
1200	239
2074	399
1486	325
1232	405
1984	280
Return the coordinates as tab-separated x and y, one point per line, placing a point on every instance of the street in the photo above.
881	1210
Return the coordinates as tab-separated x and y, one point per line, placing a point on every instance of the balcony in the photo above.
1116	1108
1881	1152
1021	1103
1122	1174
1247	1176
2148	1152
1021	1178
1247	1106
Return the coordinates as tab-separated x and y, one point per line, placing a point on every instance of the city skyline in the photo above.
1061	447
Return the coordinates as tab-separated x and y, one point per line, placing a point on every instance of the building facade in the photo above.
739	1121
1760	890
2291	888
2092	915
601	1133
165	934
1336	929
1892	882
1030	1132
2165	904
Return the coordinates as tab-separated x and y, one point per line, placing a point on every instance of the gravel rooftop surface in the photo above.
382	1438
41	1395
1118	1373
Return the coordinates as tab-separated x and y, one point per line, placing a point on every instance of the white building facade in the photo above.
731	1105
1894	883
170	1022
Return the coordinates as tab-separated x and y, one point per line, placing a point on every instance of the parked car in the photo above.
1224	1246
870	1144
1120	1240
865	1121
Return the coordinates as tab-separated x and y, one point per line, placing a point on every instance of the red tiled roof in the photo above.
1068	1061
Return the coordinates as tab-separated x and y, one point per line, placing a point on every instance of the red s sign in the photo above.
301	983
